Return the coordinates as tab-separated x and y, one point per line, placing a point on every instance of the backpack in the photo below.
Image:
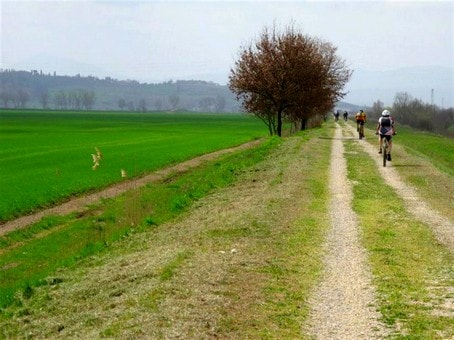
385	122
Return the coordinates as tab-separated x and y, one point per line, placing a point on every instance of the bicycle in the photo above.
361	130
384	150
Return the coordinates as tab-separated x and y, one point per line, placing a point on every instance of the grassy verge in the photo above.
436	149
239	265
29	256
291	253
412	271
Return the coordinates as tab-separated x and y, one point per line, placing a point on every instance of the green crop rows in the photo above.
45	156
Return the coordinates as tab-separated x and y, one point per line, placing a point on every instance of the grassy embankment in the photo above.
261	292
45	156
413	273
171	137
426	161
436	149
29	255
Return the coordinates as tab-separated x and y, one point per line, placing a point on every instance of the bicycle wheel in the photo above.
385	151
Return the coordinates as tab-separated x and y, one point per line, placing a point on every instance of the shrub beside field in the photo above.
45	156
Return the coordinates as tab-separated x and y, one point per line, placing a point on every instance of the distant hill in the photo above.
366	87
61	91
351	108
54	91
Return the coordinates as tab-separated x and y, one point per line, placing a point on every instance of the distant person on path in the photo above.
336	115
345	115
385	129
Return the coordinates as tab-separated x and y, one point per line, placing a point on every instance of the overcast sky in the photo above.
152	41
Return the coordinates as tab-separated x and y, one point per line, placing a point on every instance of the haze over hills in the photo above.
429	84
366	87
36	89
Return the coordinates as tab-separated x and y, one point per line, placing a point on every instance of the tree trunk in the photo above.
303	124
279	123
270	126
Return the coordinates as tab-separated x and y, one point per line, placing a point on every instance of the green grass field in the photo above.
438	149
45	156
267	282
27	258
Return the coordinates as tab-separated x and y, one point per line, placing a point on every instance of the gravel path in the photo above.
442	228
343	303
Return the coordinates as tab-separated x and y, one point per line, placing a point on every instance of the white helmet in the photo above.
385	113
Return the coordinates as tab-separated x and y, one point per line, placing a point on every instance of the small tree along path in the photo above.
441	226
81	203
343	303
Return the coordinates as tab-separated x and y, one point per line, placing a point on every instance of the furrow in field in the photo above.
81	203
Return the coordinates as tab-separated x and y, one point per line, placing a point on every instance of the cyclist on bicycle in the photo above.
360	119
345	115
385	129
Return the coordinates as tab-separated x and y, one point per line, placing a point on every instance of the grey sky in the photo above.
161	40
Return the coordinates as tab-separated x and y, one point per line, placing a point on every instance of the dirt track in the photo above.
343	305
81	203
441	226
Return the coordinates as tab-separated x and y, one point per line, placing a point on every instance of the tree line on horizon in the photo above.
413	112
35	89
264	81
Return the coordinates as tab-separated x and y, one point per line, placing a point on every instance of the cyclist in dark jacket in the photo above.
385	129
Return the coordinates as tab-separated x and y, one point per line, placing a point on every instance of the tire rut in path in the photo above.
442	228
342	306
81	203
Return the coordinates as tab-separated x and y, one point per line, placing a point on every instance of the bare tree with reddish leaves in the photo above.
288	76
